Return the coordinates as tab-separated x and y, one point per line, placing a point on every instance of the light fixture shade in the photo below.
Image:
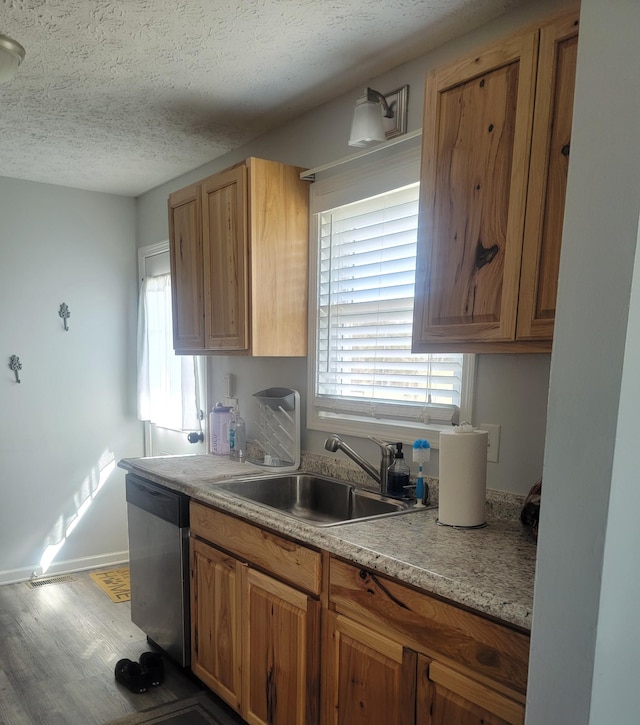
366	127
11	55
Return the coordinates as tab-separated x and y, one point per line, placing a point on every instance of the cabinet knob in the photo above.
195	437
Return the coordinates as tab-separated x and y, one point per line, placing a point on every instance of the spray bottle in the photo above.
421	454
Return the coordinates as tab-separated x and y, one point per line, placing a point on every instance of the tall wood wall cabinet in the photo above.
495	154
239	262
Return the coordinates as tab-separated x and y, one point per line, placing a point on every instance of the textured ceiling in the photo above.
122	95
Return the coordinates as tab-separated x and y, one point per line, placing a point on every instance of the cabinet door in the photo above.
215	619
446	697
225	255
548	178
185	235
281	654
475	156
369	679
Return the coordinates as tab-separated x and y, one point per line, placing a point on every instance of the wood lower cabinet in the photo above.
370	679
496	141
397	655
255	638
281	659
445	697
388	655
239	261
215	620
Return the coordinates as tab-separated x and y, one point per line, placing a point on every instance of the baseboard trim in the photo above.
115	558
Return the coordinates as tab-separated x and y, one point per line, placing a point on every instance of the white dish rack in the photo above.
278	428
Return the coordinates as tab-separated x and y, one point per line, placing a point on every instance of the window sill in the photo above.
389	430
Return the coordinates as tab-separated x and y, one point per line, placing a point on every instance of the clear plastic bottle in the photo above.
398	475
219	420
237	437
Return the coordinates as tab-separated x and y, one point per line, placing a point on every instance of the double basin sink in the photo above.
317	500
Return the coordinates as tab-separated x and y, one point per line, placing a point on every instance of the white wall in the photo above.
74	409
511	391
585	655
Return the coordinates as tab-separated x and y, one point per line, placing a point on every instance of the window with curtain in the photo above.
167	383
364	378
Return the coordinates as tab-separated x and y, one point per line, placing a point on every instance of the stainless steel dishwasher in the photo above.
158	521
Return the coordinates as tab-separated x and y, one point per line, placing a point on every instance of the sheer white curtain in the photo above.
168	386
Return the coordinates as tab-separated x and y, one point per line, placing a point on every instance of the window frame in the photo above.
337	188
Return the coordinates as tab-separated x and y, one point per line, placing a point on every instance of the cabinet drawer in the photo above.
285	559
446	696
493	652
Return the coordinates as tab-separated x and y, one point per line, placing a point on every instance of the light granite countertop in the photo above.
490	570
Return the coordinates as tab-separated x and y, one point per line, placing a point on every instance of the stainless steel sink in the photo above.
318	500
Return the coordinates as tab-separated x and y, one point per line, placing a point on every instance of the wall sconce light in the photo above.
11	55
379	117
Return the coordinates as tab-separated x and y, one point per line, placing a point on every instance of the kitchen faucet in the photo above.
334	443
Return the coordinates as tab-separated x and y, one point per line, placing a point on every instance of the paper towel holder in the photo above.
466	481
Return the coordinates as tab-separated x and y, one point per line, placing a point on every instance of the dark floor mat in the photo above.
198	710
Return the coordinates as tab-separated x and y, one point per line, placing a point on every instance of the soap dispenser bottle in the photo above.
398	475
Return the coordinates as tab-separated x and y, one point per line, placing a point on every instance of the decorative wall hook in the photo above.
16	366
65	314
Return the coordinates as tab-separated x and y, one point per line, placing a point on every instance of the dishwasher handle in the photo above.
157	500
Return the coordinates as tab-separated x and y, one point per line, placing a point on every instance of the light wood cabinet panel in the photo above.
494	168
185	232
245	287
286	559
279	233
445	696
478	119
281	653
215	620
548	178
370	679
225	260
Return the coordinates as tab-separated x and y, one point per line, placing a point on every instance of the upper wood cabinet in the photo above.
239	262
185	233
550	148
494	167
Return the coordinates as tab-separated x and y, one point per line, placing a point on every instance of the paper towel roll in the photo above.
462	487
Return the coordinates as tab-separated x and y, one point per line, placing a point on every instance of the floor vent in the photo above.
34	583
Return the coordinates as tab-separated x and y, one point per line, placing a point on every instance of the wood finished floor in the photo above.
58	648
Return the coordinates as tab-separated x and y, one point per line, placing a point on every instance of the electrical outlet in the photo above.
231	402
493	446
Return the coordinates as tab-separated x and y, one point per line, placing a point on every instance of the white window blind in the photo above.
363	368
